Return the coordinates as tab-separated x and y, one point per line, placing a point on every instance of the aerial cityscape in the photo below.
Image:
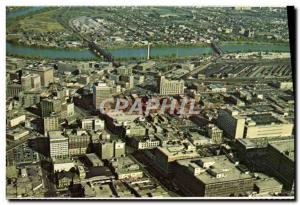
149	102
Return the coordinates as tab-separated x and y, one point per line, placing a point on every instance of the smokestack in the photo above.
148	56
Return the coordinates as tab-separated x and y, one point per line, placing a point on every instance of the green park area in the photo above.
40	22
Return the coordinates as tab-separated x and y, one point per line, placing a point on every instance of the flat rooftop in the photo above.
286	147
264	119
178	151
98	171
56	135
265	182
221	165
94	158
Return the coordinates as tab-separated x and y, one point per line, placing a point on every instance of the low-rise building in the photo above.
145	142
217	88
267	186
60	165
165	156
267	125
94	160
197	139
212	177
14	119
126	168
17	133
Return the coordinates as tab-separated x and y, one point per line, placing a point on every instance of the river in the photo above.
24	11
12	49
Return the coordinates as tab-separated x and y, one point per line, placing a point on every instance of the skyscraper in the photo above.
51	123
49	106
106	150
231	123
46	74
215	133
26	82
119	148
101	92
35	81
59	146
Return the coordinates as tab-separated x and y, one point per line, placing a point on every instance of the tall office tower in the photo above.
35	81
215	133
170	87
106	150
119	148
101	92
131	81
49	106
59	145
51	123
46	74
26	82
231	123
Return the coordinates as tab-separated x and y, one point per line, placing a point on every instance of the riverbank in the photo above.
46	47
224	43
159	45
43	58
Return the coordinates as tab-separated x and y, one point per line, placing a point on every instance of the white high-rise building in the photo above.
232	123
35	81
59	145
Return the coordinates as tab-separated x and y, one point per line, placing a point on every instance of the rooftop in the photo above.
264	119
94	159
125	165
179	151
220	166
265	182
286	147
56	135
98	171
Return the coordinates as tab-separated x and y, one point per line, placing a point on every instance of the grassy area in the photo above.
40	23
43	22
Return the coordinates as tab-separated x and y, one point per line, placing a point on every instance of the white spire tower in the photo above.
148	54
